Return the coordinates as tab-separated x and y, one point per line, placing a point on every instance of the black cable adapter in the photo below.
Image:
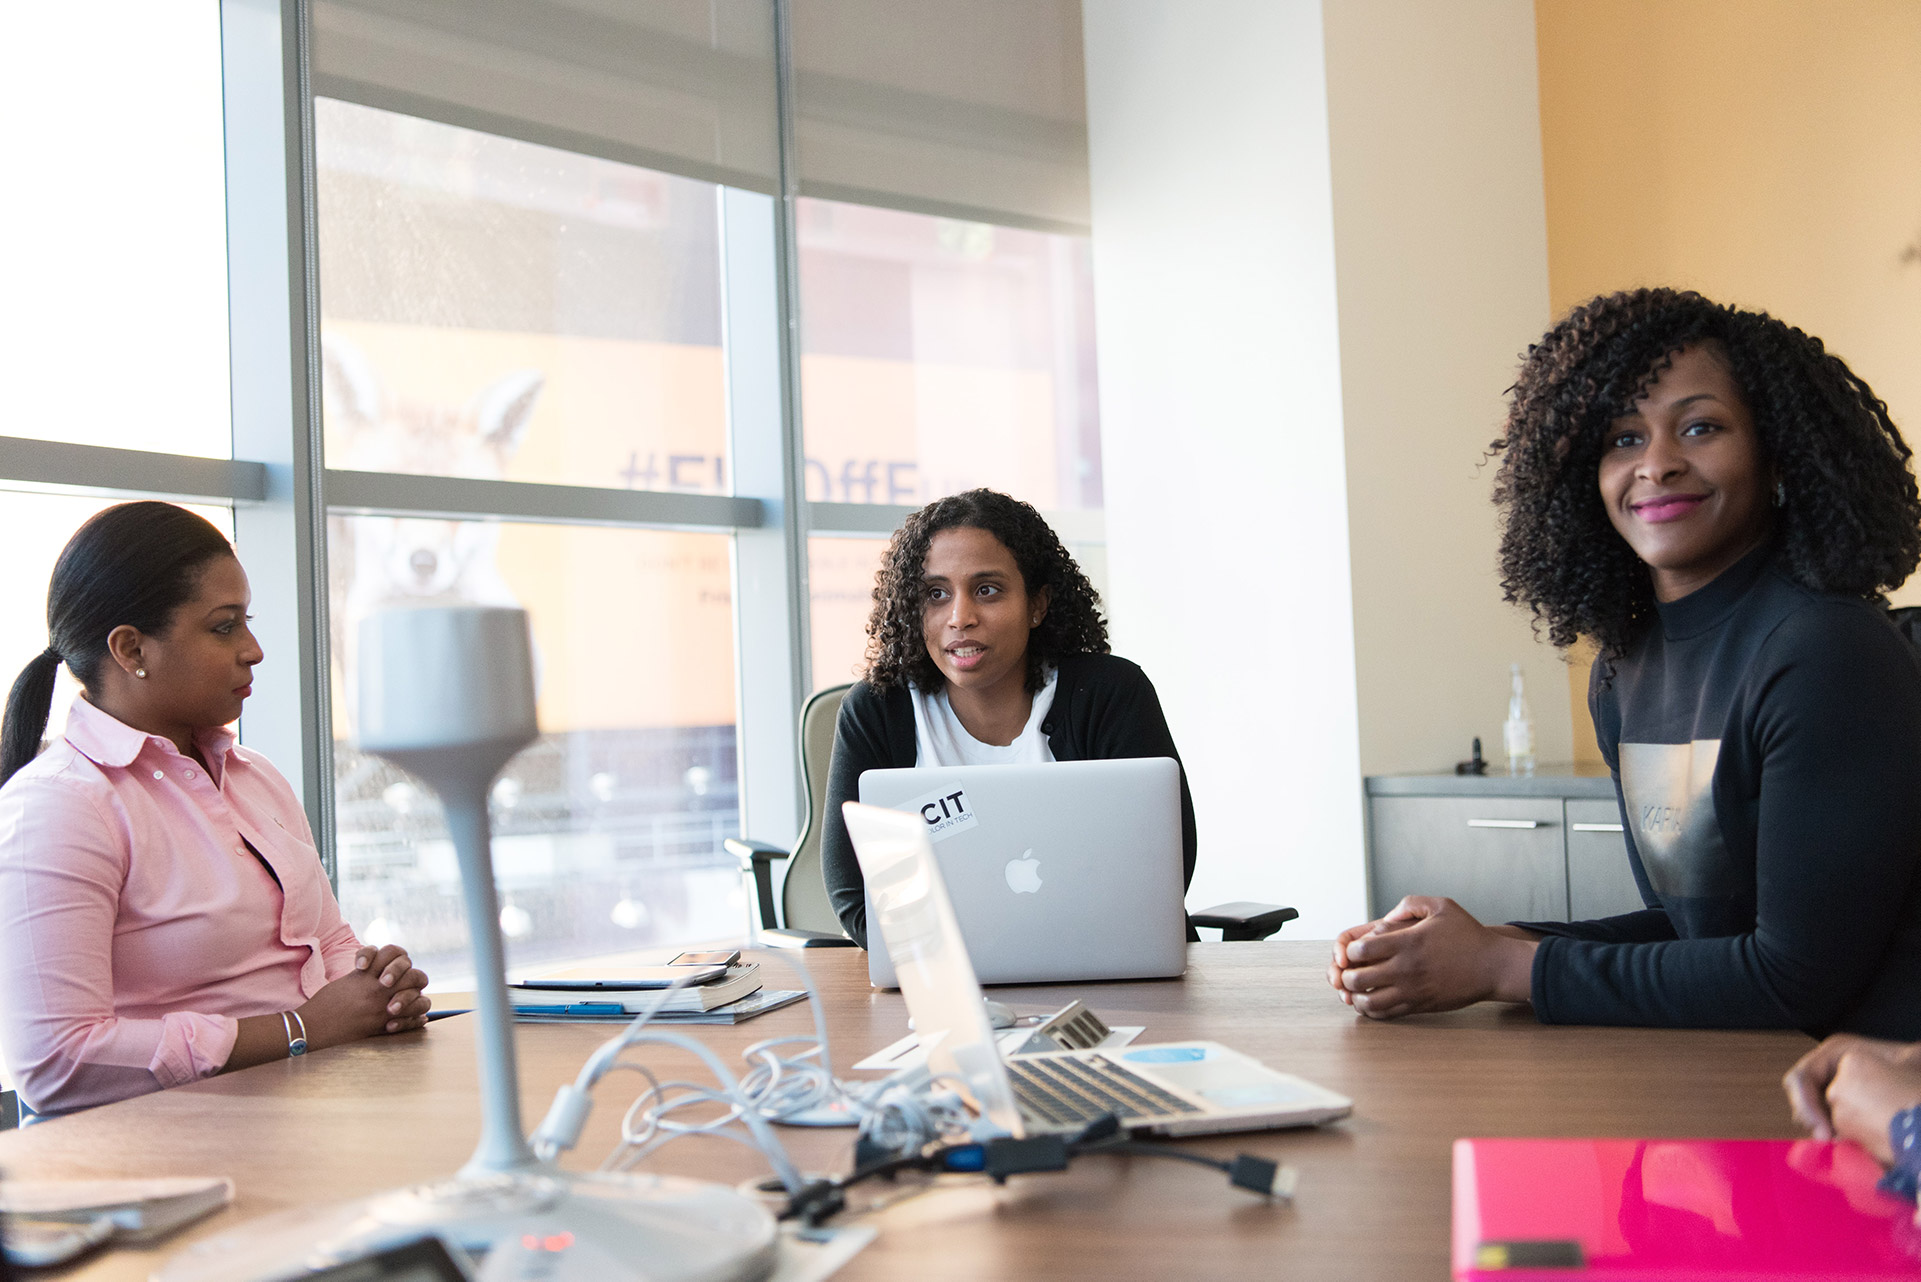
1031	1154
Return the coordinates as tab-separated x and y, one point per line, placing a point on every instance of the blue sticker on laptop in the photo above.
1166	1054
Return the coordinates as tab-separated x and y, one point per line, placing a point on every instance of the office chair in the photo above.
1242	921
805	918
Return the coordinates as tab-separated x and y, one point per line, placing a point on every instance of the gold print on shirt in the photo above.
1669	788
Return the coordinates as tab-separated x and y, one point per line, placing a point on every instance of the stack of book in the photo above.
711	995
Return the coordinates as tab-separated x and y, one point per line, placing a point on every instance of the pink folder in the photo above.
1599	1210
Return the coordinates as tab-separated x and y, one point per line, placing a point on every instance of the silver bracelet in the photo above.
295	1045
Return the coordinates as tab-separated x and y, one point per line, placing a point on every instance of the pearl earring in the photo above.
1780	494
140	672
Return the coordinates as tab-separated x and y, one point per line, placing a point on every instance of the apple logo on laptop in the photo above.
1024	874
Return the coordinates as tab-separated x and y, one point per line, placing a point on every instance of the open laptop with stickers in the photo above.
1173	1088
1064	871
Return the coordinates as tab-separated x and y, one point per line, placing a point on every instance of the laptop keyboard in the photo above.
1058	1091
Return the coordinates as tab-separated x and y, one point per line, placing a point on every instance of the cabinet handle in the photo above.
1504	823
1597	827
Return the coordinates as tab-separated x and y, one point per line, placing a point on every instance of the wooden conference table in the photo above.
1373	1199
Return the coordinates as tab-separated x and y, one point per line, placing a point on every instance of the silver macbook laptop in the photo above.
1173	1088
1065	871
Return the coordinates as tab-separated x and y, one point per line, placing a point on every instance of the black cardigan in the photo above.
1104	708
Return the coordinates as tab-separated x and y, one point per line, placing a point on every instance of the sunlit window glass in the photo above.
840	597
113	234
608	830
940	355
505	311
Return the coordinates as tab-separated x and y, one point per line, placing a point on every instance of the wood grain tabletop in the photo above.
1373	1198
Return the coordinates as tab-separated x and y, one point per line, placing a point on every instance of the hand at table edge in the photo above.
1430	954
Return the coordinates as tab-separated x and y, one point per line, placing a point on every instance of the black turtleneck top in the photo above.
1765	741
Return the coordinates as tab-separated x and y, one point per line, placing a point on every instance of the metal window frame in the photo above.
99	469
282	493
273	337
461	498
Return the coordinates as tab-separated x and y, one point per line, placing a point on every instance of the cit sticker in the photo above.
946	812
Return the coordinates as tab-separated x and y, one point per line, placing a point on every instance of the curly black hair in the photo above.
896	648
1851	523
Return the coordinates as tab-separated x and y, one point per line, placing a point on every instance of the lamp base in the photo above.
557	1224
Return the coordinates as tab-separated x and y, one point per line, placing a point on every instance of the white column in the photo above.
1225	469
1319	248
771	668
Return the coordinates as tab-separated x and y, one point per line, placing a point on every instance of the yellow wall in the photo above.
1764	152
1441	273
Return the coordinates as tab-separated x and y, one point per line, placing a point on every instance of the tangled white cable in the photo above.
905	1113
774	1086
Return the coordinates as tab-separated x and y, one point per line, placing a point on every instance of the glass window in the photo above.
608	831
840	596
113	234
500	310
940	355
34	527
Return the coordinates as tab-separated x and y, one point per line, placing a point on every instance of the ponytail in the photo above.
132	564
27	706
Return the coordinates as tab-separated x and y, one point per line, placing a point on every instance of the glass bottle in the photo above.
1518	731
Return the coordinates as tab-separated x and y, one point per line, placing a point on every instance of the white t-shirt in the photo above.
941	740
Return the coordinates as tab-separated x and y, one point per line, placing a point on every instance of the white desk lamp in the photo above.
448	694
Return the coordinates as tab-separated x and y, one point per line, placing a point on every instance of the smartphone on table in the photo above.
721	957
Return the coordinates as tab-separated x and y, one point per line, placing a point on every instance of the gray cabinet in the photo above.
1501	858
1547	847
1600	882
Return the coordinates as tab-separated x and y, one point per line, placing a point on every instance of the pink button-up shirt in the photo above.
136	928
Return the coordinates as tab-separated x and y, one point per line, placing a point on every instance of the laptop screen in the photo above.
915	921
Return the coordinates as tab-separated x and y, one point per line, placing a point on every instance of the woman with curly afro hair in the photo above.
986	647
1718	504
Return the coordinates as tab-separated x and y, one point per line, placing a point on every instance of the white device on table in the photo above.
40	1244
448	694
1066	871
1170	1088
428	1259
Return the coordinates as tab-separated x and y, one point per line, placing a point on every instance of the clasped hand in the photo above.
1851	1087
1429	954
381	994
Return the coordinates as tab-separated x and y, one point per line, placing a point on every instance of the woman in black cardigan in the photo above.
986	645
1718	502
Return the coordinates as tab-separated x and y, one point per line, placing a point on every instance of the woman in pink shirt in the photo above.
163	911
